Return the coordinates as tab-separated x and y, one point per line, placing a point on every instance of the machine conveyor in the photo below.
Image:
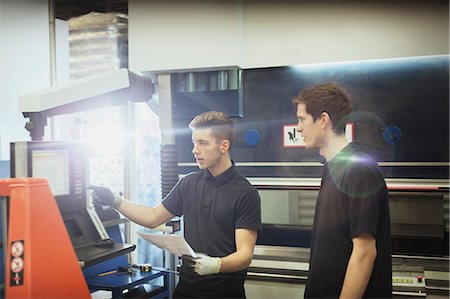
413	276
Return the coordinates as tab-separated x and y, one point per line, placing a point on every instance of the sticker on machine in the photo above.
350	132
17	249
291	137
16	263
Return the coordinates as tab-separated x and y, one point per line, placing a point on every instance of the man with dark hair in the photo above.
222	213
351	243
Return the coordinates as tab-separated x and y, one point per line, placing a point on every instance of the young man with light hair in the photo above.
220	208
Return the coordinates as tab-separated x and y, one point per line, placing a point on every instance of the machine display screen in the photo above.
54	166
61	163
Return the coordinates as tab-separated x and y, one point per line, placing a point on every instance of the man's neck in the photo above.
334	145
224	164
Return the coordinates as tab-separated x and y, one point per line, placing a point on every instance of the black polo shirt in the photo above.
213	208
353	199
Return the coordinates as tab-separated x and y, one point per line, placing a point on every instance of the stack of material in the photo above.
98	42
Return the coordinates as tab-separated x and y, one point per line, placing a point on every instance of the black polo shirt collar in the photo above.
337	166
224	177
346	152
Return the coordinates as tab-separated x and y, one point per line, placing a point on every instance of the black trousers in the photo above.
180	293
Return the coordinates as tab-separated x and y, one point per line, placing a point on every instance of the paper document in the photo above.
175	244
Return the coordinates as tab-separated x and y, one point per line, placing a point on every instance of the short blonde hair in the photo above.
219	122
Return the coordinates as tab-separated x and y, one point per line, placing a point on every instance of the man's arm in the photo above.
241	259
140	214
360	265
150	217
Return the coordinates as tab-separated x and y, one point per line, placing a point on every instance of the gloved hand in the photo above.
204	264
104	197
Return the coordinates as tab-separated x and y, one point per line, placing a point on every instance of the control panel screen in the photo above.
52	165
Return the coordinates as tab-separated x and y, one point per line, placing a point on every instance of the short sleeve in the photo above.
248	211
173	201
364	196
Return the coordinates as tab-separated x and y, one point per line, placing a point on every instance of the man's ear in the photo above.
225	146
325	120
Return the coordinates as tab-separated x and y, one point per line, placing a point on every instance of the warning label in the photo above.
291	137
16	263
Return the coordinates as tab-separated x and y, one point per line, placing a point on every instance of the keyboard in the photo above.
97	252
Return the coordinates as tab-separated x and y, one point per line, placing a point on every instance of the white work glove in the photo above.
204	264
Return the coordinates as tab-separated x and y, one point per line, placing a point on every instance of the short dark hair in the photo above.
219	122
330	98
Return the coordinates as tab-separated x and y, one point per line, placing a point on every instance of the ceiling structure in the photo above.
65	9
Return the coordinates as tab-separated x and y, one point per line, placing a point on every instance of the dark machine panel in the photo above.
401	118
196	92
401	115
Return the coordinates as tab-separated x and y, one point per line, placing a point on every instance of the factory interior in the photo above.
101	93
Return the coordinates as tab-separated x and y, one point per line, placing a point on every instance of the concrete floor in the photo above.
273	290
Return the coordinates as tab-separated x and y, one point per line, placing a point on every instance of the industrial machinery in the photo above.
400	118
35	242
63	164
93	240
399	108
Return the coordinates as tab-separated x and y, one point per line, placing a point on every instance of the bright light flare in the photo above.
106	138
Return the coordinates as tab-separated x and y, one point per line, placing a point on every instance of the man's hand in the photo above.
204	264
104	197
